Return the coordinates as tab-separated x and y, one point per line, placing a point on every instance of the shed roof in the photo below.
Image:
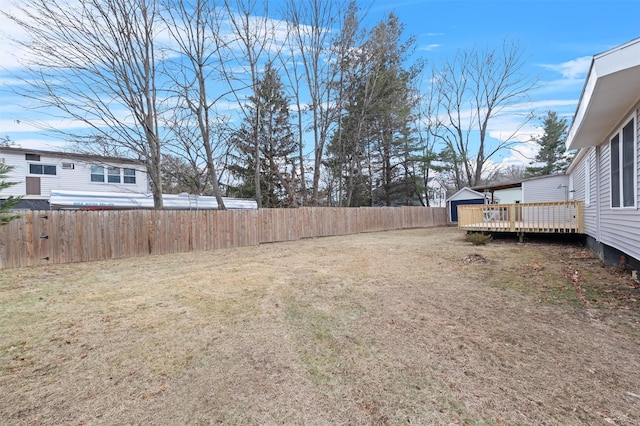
465	193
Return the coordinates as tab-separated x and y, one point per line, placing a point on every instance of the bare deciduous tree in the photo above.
310	23
250	45
191	25
294	78
470	92
426	160
95	63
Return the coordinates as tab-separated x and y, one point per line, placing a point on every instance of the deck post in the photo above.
512	217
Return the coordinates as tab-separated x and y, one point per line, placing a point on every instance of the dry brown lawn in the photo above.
411	327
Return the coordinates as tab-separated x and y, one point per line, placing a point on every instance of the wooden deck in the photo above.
556	217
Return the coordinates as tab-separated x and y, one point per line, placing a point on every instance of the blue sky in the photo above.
560	37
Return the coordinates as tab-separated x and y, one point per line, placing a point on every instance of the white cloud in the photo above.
28	126
10	53
575	68
11	81
546	104
508	125
509	128
521	155
430	47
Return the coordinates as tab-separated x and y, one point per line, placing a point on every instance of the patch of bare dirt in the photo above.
383	328
474	258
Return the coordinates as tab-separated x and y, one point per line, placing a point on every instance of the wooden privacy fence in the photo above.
59	236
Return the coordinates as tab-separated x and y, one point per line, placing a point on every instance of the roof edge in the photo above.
65	154
601	66
466	188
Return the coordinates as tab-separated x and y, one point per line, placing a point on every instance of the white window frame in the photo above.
130	175
114	175
108	175
43	165
93	168
633	120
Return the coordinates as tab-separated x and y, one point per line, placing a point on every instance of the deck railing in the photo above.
552	217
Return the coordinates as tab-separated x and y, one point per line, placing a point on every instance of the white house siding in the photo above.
591	210
16	175
84	175
578	176
619	227
544	189
609	99
508	196
78	178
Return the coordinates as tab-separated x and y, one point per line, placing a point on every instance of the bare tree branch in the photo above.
471	91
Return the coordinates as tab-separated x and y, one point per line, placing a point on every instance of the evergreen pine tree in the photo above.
551	157
273	153
371	153
8	204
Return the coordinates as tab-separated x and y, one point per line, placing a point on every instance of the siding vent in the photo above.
67	166
32	157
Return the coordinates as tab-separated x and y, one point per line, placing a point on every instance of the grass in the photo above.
411	327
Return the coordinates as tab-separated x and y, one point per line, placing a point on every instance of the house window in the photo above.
114	175
623	165
97	174
129	176
42	169
32	157
587	182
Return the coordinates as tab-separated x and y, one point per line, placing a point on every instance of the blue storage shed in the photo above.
463	197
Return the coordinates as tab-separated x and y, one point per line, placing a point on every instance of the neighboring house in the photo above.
606	170
436	193
463	197
544	189
39	172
